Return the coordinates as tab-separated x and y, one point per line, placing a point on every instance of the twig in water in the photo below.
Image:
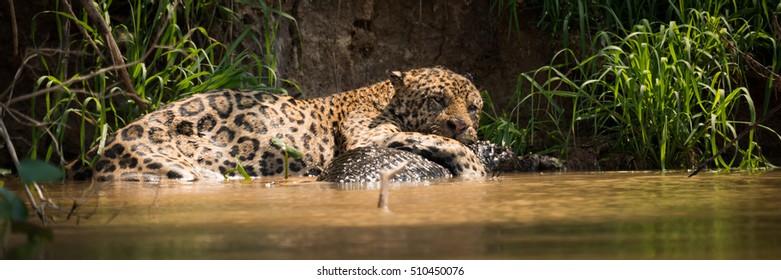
79	202
38	209
155	202
385	177
117	212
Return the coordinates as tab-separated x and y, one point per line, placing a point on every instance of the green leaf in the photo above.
278	142
31	170
4	172
18	210
11	206
5	210
291	152
242	171
225	174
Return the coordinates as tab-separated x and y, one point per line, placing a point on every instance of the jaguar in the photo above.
431	112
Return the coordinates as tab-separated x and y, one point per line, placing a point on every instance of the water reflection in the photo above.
524	216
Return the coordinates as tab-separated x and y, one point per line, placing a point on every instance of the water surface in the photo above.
516	216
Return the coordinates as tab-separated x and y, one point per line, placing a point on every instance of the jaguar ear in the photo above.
469	77
397	78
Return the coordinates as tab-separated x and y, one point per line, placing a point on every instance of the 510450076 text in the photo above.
437	270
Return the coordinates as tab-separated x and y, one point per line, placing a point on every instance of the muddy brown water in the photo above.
517	216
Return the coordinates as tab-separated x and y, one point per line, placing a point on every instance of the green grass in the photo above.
508	10
500	129
665	80
617	16
170	53
668	93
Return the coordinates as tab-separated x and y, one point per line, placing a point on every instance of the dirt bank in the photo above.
348	44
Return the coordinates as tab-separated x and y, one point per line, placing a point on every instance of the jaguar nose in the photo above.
456	125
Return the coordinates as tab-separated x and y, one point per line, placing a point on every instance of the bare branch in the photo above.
14	28
24	119
79	79
10	90
33	203
84	32
385	177
116	56
99	71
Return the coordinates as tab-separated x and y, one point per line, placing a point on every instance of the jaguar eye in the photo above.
439	102
472	109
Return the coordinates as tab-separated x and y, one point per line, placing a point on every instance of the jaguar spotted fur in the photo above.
431	112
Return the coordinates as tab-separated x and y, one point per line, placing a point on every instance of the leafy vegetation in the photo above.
176	58
508	9
289	152
667	80
240	169
38	171
500	129
13	211
13	215
110	67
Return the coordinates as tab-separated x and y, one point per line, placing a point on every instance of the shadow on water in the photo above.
517	216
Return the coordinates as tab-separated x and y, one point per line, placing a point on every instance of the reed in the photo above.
169	55
668	93
508	10
665	79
